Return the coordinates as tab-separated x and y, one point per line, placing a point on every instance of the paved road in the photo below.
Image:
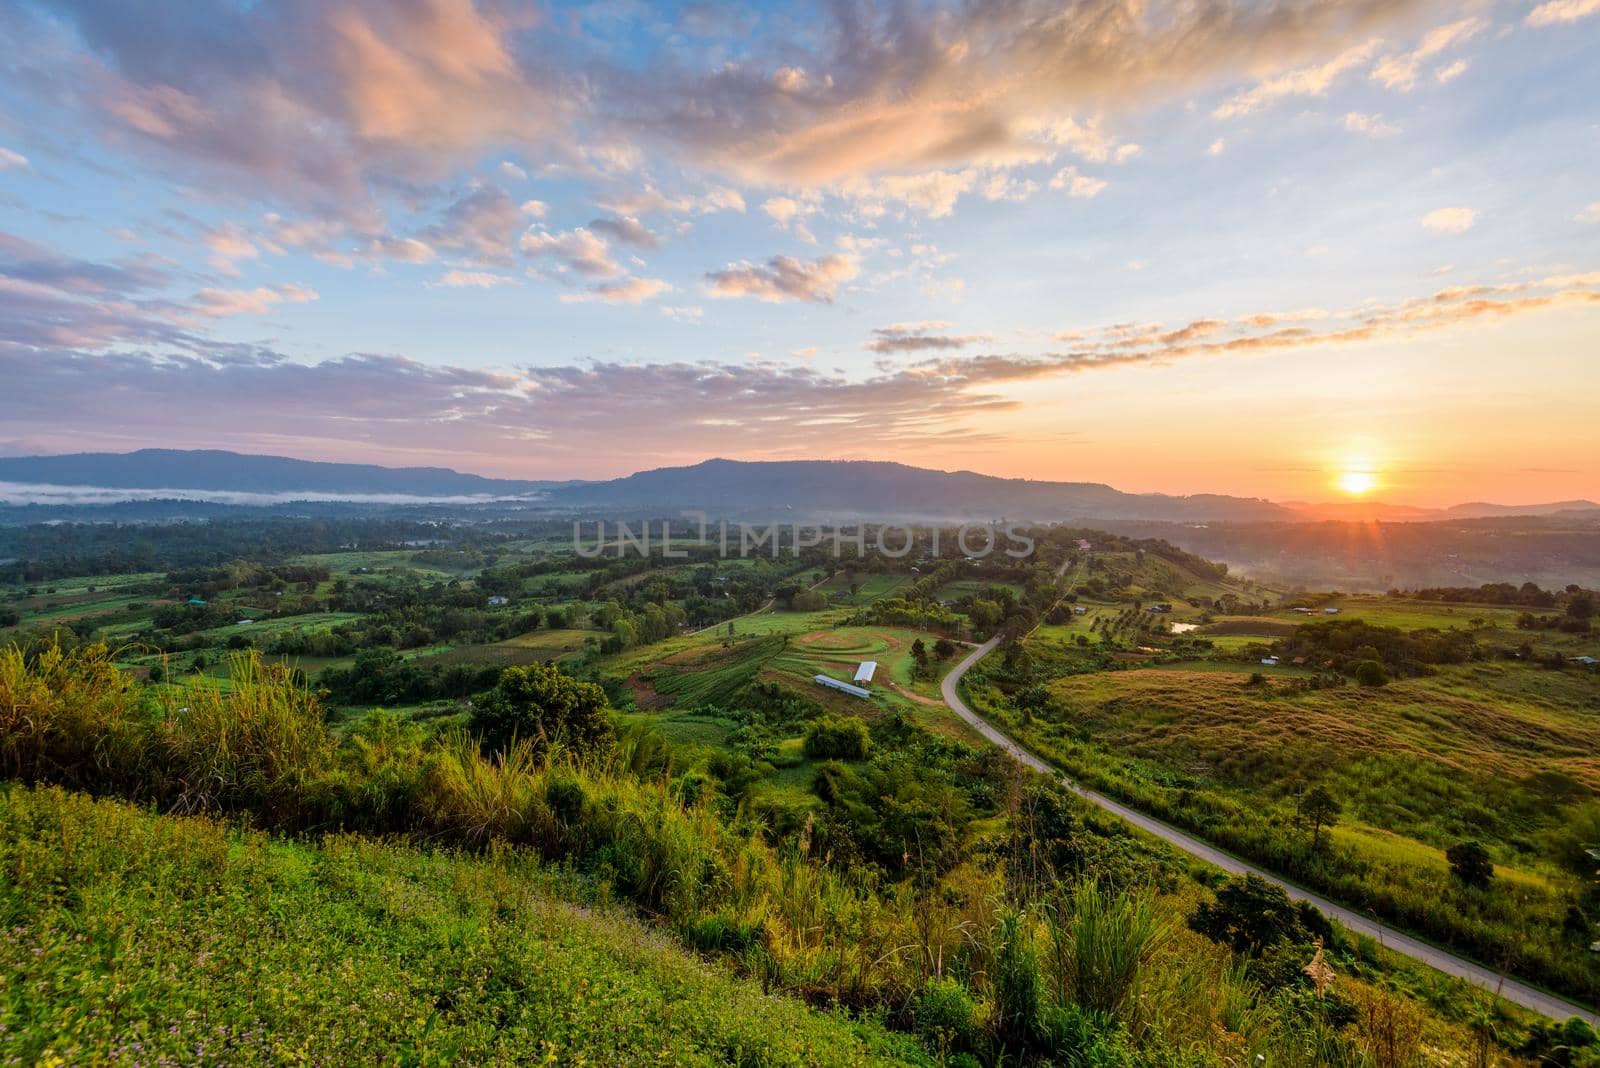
1548	1004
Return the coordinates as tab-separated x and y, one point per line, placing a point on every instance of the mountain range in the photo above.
815	489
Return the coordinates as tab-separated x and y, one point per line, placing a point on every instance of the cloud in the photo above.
577	250
1450	72
306	101
1589	213
12	161
651	201
920	337
627	291
24	261
1077	185
1305	81
473	280
903	91
785	278
933	193
1217	147
1005	187
511	172
1400	71
229	244
217	303
481	223
1450	220
1370	125
628	230
1556	12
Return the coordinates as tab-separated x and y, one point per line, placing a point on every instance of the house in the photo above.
1298	661
196	600
244	622
1270	661
845	687
1585	661
1330	611
496	601
865	671
1079	610
1083	544
1163	607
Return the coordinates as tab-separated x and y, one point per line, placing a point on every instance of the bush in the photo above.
944	1015
1371	673
1251	915
545	705
837	738
1470	863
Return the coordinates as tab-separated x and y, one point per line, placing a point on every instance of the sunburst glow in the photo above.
1357	483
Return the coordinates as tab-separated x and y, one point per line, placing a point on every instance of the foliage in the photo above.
1251	916
837	738
1470	863
544	704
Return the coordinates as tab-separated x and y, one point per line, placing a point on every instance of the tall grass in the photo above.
1103	943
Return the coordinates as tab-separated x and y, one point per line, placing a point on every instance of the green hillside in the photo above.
199	943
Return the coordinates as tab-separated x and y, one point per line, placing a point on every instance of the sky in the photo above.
1298	250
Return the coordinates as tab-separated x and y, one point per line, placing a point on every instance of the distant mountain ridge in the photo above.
889	490
216	469
736	488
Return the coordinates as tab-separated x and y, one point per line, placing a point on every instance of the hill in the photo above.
846	488
205	944
217	470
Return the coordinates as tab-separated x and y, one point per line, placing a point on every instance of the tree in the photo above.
944	648
1371	673
1251	915
1470	863
1318	810
542	703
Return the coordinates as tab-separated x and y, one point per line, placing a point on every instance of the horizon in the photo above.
1371	503
1336	253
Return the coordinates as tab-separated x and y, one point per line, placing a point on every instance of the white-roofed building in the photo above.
865	672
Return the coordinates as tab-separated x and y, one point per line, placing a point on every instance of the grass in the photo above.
1419	765
197	943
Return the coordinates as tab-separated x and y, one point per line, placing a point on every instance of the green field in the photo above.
1502	753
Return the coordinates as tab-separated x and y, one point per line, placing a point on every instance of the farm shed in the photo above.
835	684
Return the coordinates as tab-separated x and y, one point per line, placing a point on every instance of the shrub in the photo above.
1251	915
837	738
1470	863
945	1016
1371	673
545	705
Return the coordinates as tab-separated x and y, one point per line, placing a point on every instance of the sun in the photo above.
1357	483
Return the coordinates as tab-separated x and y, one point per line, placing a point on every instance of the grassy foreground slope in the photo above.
197	943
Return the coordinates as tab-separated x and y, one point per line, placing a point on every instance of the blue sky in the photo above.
1234	247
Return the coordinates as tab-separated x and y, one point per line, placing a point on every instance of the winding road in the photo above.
1522	994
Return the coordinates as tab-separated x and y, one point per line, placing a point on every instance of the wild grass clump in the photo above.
1103	942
